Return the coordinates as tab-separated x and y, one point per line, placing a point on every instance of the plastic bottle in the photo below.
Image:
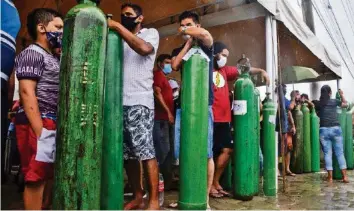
161	189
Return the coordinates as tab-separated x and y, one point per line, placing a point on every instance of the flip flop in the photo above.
223	192
173	205
290	174
216	195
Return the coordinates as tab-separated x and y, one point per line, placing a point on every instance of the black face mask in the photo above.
129	22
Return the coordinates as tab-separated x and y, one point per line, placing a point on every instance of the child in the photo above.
37	69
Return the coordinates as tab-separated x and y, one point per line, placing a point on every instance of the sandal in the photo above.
216	194
223	192
289	173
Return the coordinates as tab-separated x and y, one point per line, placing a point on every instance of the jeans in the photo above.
178	132
331	138
163	139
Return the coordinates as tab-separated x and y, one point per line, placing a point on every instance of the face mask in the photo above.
167	69
175	94
222	61
55	39
129	22
186	37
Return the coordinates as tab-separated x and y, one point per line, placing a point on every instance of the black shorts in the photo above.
222	137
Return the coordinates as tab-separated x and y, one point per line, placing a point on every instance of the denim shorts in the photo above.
178	132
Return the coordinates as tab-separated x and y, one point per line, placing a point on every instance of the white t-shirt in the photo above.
138	72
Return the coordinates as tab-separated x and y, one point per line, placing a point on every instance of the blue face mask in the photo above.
55	39
167	69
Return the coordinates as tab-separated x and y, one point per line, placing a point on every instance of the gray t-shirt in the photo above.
138	72
35	63
328	113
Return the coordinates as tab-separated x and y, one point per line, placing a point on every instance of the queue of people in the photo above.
331	137
151	105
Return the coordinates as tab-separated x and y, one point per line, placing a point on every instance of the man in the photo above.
286	106
140	47
10	25
305	99
192	32
164	117
37	69
223	145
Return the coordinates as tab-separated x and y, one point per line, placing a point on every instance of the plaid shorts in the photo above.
138	123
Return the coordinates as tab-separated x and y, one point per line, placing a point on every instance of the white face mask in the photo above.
222	61
175	94
186	37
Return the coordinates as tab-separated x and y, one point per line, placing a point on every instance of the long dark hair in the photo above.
325	95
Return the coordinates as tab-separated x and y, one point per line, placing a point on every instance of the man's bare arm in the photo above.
30	104
159	97
137	44
263	73
200	34
177	60
11	89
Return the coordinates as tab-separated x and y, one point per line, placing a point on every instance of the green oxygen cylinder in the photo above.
307	138
112	186
258	133
80	123
269	148
337	174
343	123
194	133
342	120
226	179
297	158
315	141
349	139
245	141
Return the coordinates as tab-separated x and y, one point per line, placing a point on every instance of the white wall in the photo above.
347	82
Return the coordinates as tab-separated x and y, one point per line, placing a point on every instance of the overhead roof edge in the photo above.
284	12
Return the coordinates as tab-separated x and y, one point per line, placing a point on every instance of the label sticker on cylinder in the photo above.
272	119
240	107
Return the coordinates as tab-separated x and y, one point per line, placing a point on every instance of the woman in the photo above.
331	132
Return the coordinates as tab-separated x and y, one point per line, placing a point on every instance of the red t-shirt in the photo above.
161	81
221	105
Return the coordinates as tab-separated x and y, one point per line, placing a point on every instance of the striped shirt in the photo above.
10	25
138	72
35	63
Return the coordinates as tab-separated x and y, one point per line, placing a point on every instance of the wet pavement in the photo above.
306	191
